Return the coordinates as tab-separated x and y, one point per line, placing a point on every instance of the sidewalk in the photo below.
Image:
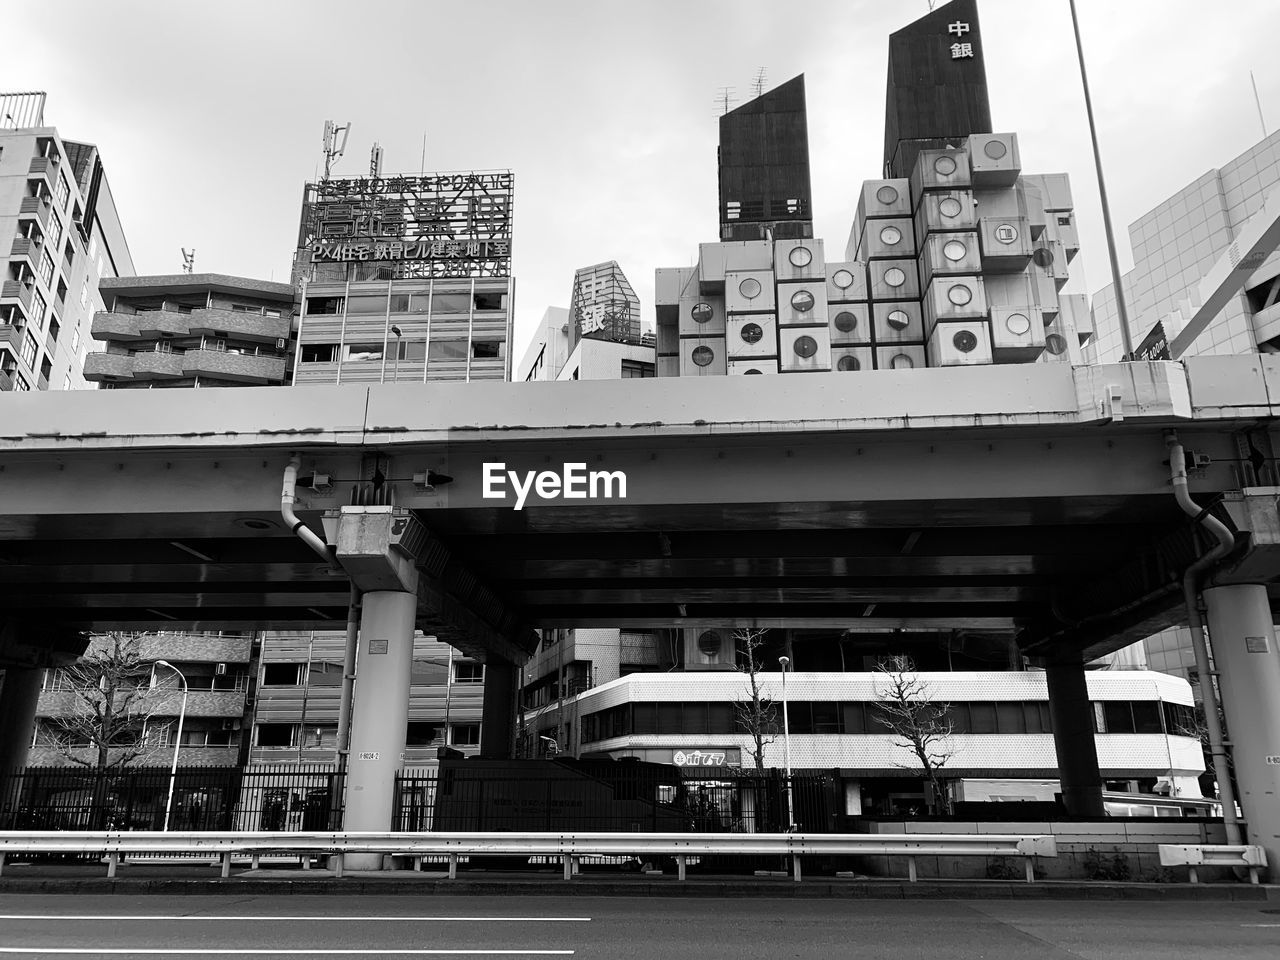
173	879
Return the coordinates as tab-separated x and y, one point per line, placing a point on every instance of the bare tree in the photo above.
104	722
756	713
907	707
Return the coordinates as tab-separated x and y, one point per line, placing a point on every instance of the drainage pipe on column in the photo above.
296	526
1191	595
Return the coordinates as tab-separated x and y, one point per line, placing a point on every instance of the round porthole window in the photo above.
751	371
898	319
848	363
709	643
750	288
950	207
901	362
887	195
800	256
701	313
965	341
945	166
1006	233
802	300
959	294
894	277
752	333
1043	257
845	321
805	347
1056	344
954	250
995	149
1017	324
702	356
843	279
890	236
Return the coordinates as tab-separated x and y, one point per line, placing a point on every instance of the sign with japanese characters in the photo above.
435	225
708	757
960	50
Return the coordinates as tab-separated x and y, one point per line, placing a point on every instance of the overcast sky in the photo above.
209	117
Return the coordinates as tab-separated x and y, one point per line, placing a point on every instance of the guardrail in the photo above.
1213	855
569	847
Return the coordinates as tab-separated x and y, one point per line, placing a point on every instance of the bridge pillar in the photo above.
498	721
19	694
1248	662
379	714
1073	736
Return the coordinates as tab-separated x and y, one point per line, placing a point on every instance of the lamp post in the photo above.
395	368
177	743
786	745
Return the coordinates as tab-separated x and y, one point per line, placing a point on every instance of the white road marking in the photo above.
249	952
1260	924
212	916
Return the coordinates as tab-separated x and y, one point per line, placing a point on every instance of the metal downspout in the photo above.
296	526
1191	593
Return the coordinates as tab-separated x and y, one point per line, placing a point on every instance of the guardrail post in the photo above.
911	869
337	864
1194	878
226	864
1031	869
681	863
2	863
1253	874
255	860
795	866
113	859
453	866
305	857
568	866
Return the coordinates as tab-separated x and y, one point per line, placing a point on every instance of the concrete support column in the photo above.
1248	662
498	721
1072	717
379	714
19	695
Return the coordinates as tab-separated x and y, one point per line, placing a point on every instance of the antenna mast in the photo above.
724	98
375	161
757	85
333	149
188	259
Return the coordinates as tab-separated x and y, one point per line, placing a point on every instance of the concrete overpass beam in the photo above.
19	695
1248	662
1073	736
498	721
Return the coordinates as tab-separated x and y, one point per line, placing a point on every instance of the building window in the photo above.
38	307
464	671
490	301
282	674
636	369
54	230
423	733
362	352
447	350
486	349
323	305
464	734
63	192
276	734
30	349
318	352
411	350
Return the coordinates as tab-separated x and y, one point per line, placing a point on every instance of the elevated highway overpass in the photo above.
1028	504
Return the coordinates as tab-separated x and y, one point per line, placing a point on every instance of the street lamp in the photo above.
786	745
177	743
395	369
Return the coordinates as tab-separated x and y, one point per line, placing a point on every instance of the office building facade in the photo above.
63	238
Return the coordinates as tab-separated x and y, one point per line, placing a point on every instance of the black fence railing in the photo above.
292	797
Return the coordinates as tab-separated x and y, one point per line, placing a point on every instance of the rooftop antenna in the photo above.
375	161
1258	100
333	149
757	85
188	259
724	98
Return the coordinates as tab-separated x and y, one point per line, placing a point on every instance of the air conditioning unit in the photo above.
799	259
901	356
230	724
944	169
1006	244
960	343
804	349
852	359
749	291
802	303
898	322
752	367
994	159
850	323
709	649
220	670
945	211
702	357
281	343
883	198
887	239
701	317
847	282
893	280
1017	334
752	335
949	254
954	298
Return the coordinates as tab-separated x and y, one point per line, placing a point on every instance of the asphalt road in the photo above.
615	928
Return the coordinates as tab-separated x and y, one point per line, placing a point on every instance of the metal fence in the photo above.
285	797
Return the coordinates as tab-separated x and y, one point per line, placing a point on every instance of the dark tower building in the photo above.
937	87
764	167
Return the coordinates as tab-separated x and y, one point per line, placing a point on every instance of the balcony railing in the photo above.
14	291
227	365
104	366
38	207
240	324
115	326
12	336
23	247
157	365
